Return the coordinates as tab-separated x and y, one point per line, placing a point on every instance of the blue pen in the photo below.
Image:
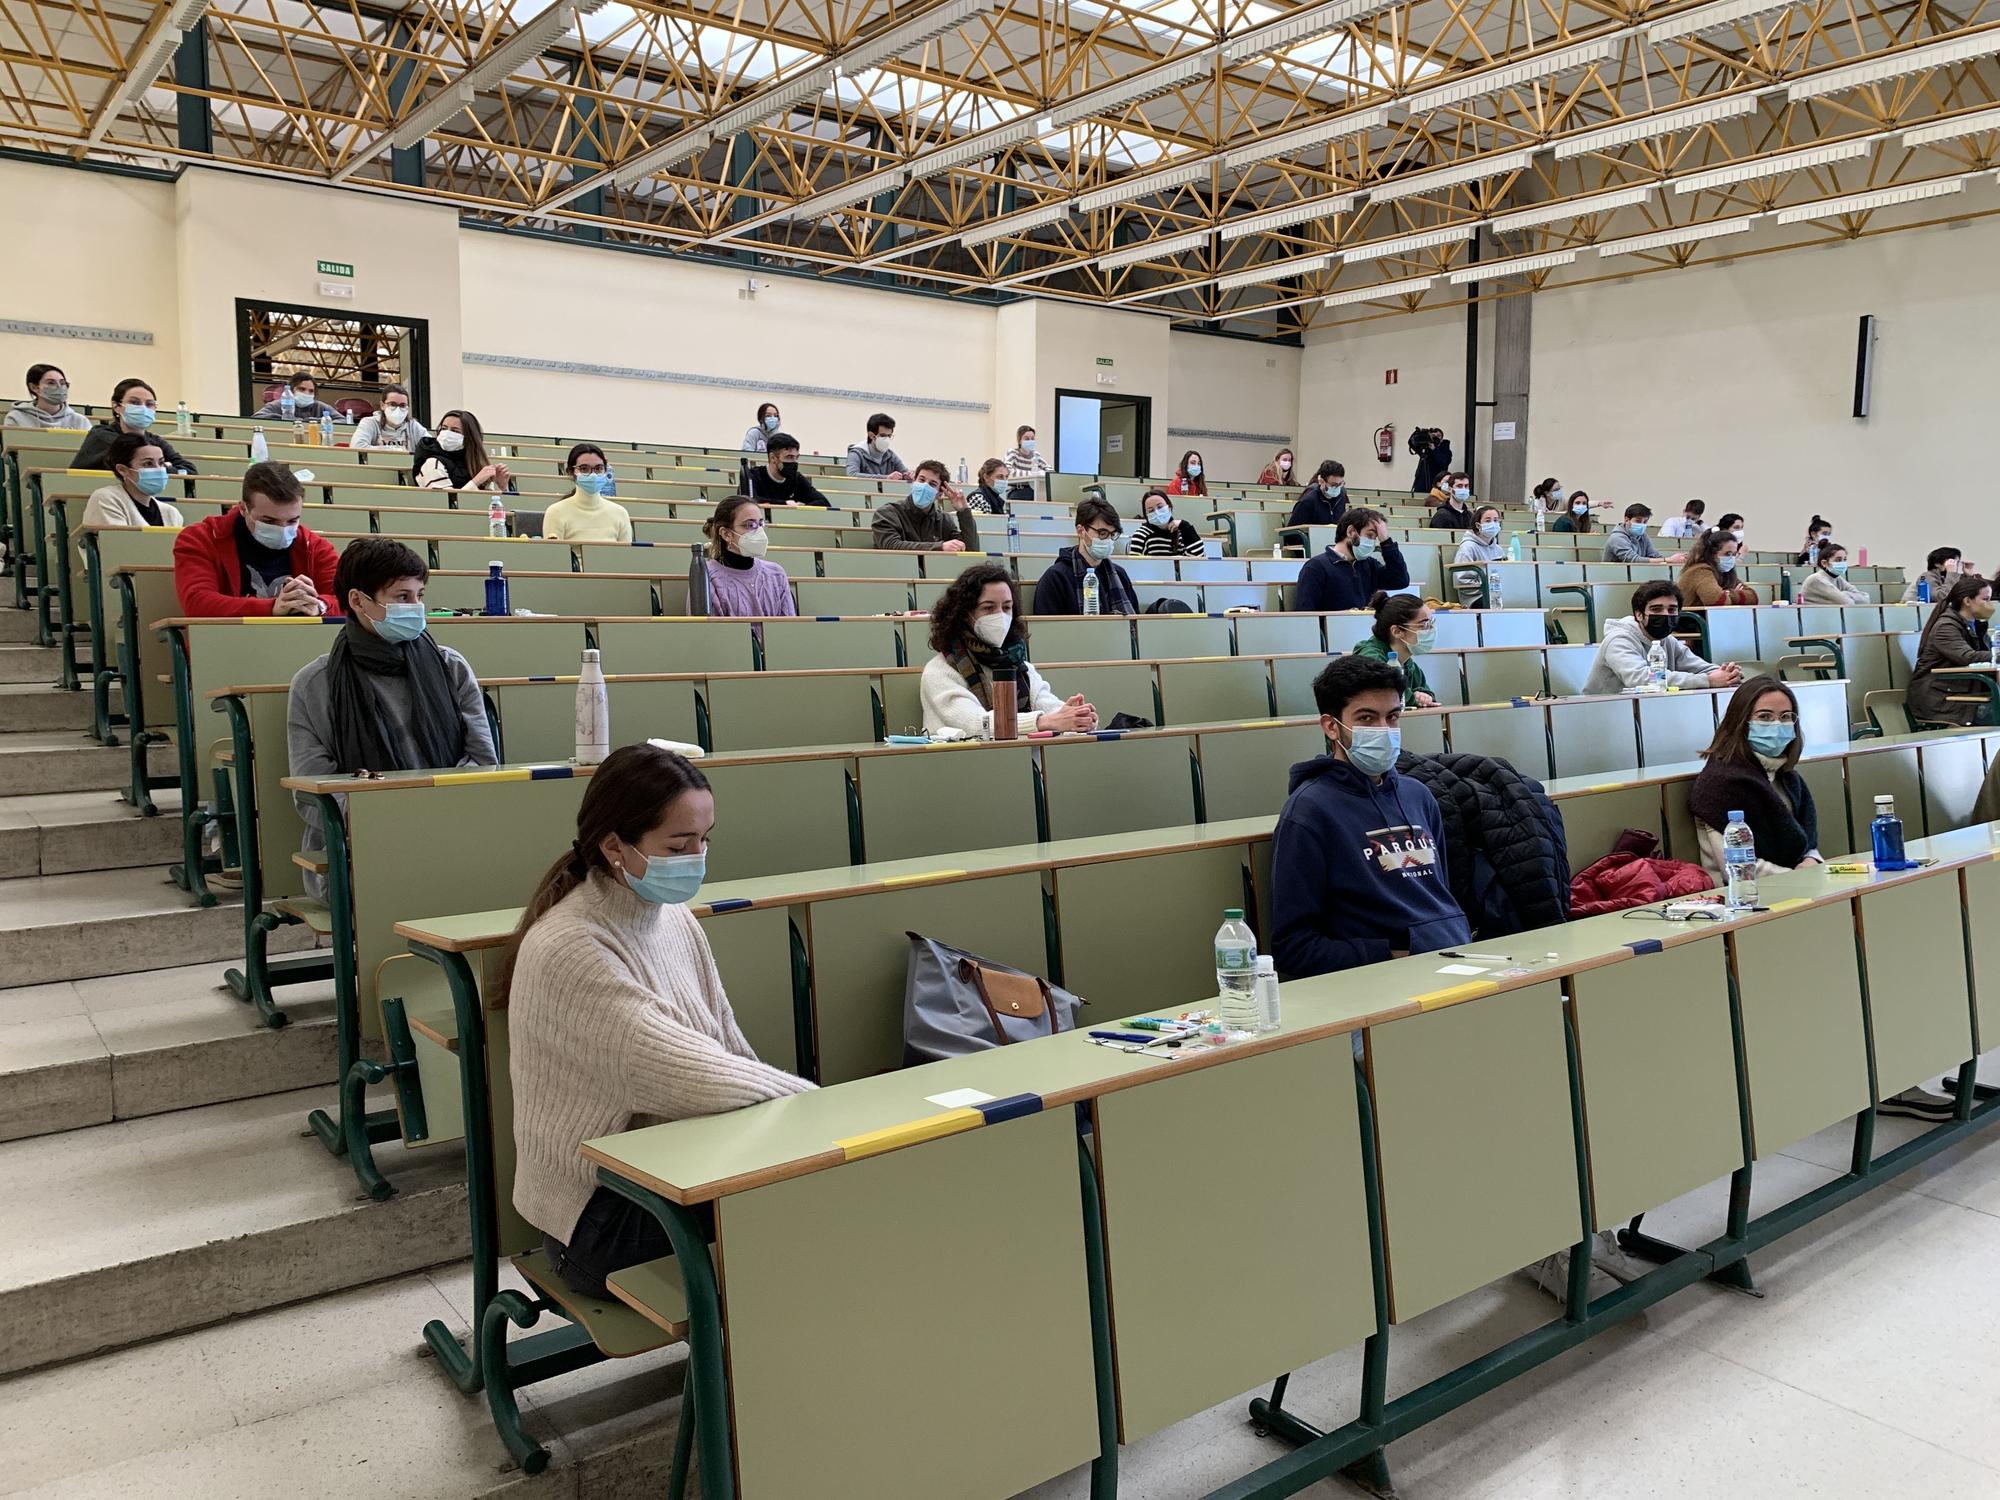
1121	1036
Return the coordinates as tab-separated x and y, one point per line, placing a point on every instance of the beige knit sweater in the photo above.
616	1019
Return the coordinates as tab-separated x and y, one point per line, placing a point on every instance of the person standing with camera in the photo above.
1433	451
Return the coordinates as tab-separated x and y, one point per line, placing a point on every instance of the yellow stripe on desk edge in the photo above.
280	619
1470	990
1790	904
921	877
469	778
1260	723
909	1133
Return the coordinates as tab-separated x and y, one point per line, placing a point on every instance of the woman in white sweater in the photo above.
976	630
616	1015
1827	583
139	464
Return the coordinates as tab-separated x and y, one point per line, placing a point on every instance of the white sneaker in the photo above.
1552	1276
1607	1257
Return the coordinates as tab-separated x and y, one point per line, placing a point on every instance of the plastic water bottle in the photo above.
183	421
1924	589
593	713
963	475
1268	1018
326	429
496	590
1492	589
496	518
1886	834
1236	972
1514	547
1656	667
260	451
288	404
1739	861
1090	591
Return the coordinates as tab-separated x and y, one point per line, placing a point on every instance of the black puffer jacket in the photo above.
1508	863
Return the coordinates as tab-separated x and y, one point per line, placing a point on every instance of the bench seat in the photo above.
620	1328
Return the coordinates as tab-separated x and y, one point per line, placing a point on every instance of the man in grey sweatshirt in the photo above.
1629	543
1622	666
875	459
47	405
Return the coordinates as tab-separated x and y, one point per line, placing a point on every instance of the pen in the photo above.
1491	958
1122	1036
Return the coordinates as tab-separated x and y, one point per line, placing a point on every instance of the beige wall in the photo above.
104	258
1070	339
1231	385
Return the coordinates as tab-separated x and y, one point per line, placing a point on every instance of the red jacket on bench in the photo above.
208	573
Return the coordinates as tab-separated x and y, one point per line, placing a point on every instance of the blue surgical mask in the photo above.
1838	569
1372	751
1426	641
923	496
771	423
1162	518
590	484
1365	547
1489	528
138	417
670	879
1772	740
1461	493
1637	528
1194	471
402	622
1725	565
1027	445
1335	491
152	481
1556	494
277	538
1101	547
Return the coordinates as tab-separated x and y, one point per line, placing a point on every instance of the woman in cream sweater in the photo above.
616	1013
139	464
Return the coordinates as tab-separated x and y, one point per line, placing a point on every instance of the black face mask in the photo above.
1659	627
788	470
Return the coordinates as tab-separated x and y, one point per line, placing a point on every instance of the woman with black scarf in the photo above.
386	697
982	649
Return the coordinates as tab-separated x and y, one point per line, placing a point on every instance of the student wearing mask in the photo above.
1817	531
1955	635
141	470
1161	533
1361	562
985	498
1452	502
386	697
1827	583
134	408
1027	467
1481	545
741	582
875	459
778	480
255	558
1622	664
1278	470
616	1015
1059	591
1576	518
306	405
977	633
454	458
1629	543
48	402
1688	525
584	515
1709	579
1358	854
1549	498
934	518
1405	629
1325	497
391	425
1733	524
1942	568
757	437
1188	478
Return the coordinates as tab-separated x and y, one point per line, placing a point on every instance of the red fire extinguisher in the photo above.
1385	442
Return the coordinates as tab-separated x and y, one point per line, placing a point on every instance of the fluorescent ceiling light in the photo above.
1528	70
1292	142
909	35
1147	83
1773	166
973	147
1175	244
1374	293
1309	212
1940	54
654	160
1142	185
1855	203
1646	128
1952	129
771	100
1302	25
147	66
1413	183
1275	271
1574	208
1660	239
1405	244
1712	18
999	229
1494	270
848	194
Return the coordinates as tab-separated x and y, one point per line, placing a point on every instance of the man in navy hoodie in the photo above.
1361	560
1357	860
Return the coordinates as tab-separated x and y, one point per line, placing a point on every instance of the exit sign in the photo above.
336	268
1105	363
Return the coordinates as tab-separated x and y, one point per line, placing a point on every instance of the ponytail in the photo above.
1393	612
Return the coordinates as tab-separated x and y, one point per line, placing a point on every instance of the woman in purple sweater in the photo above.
740	582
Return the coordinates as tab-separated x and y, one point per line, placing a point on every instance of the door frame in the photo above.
1145	405
418	378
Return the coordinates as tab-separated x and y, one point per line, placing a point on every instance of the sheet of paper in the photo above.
1461	969
959	1099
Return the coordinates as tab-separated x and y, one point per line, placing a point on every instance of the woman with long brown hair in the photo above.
616	1014
454	458
1955	635
1751	768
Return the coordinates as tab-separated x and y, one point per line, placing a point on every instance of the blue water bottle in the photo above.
496	590
1924	589
1887	834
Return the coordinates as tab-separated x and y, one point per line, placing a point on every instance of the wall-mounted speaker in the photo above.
1864	365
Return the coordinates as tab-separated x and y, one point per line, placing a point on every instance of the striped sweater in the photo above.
616	1019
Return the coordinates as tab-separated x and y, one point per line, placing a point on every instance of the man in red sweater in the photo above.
256	559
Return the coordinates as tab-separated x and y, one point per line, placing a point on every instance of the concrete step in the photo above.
329	1398
17	626
62	833
119	1048
32	763
32	707
149	1227
61	927
29	664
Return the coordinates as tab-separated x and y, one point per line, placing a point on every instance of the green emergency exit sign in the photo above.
336	268
1104	362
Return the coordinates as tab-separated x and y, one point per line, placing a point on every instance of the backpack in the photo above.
1169	606
955	1002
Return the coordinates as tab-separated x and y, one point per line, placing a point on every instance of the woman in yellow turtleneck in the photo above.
586	516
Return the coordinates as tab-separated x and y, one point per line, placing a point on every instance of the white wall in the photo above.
1231	385
1070	339
102	257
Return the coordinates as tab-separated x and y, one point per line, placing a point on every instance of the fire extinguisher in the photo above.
1385	442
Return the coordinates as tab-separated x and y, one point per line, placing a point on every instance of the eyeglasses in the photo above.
751	526
1102	536
1765	716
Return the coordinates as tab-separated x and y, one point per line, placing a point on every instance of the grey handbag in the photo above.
955	1002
